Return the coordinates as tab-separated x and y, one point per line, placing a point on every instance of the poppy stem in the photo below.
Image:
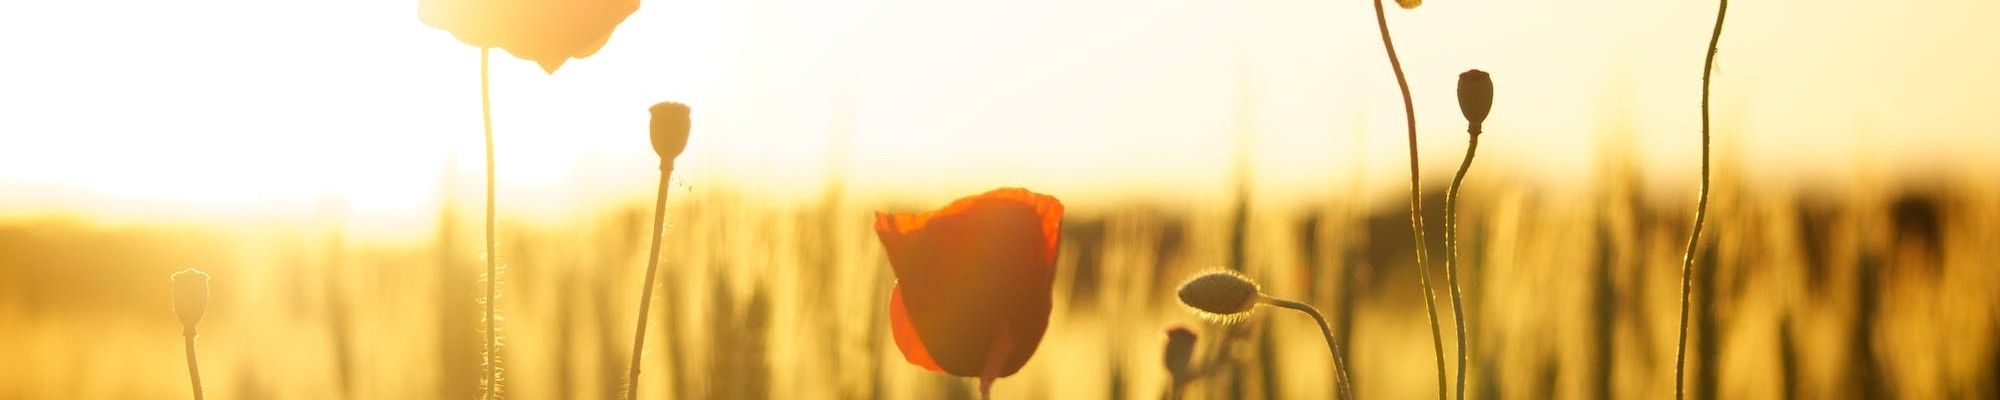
652	270
1416	197
492	259
1339	362
996	357
1451	263
1700	210
194	370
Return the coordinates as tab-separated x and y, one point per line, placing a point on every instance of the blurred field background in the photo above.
1885	289
320	159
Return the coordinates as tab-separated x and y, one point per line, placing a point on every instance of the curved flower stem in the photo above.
1339	361
194	370
1416	197
646	299
1700	210
1451	254
492	262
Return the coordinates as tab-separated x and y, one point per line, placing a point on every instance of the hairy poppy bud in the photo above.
1475	97
670	131
190	297
1180	353
1221	293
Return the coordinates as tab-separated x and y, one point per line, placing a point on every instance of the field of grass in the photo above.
1885	291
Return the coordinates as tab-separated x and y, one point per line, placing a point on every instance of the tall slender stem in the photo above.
492	262
194	369
646	299
1339	361
1451	254
1416	197
1700	210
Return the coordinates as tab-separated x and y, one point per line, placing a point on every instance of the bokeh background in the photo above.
322	160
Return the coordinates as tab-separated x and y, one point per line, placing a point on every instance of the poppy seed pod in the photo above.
1179	354
1475	97
1221	293
670	131
190	297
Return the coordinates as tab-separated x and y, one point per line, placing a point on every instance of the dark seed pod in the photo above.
1475	97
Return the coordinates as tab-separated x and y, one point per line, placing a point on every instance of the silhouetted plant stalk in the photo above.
1475	100
549	32
1225	296
492	348
1700	210
190	302
669	131
1416	190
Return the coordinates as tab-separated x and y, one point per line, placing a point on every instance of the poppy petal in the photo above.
548	32
906	333
1047	208
894	230
997	357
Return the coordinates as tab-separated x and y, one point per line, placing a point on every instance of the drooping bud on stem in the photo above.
670	131
1220	293
1475	98
190	298
1225	296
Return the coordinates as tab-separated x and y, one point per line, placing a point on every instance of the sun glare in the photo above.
252	103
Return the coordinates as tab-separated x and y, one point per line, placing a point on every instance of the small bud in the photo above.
190	297
1409	4
1475	97
1222	293
670	131
1180	353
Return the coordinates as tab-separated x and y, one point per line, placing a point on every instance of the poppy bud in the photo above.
1409	4
190	297
1221	293
1475	97
1180	353
670	131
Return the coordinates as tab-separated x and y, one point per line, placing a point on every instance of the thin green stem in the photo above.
1700	210
194	369
1416	197
652	268
492	262
1339	361
1451	254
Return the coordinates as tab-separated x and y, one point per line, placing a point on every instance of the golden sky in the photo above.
147	108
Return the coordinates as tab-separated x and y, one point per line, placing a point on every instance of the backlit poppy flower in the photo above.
548	32
973	281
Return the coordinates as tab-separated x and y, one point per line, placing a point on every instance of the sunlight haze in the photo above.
121	105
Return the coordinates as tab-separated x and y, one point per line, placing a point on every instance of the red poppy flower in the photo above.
548	32
973	281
